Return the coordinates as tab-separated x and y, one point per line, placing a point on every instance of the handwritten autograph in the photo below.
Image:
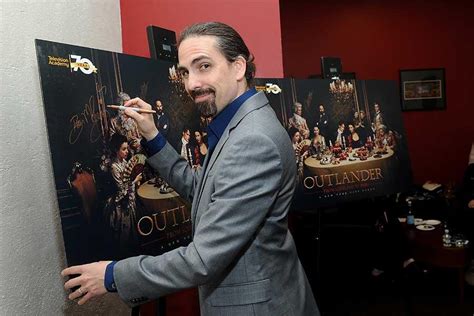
90	115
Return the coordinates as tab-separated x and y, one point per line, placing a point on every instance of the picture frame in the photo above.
422	89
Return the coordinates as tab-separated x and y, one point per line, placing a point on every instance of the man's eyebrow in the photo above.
195	61
198	59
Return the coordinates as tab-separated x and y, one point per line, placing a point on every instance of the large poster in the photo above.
348	138
112	205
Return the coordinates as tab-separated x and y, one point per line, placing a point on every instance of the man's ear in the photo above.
240	65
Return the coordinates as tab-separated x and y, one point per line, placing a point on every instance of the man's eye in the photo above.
205	66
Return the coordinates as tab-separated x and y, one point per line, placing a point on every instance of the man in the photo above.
340	133
185	146
163	123
466	216
124	125
322	122
362	128
242	257
378	118
298	121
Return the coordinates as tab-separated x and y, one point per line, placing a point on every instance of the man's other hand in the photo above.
89	282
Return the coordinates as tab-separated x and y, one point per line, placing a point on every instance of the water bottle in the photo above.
446	237
410	216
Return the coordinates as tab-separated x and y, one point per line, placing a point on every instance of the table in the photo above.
155	202
428	248
149	191
316	167
347	179
164	221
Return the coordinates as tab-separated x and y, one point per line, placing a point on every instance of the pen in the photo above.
121	107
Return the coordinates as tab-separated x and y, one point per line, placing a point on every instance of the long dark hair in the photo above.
229	42
116	142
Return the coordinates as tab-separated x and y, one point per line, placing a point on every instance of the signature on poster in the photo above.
89	115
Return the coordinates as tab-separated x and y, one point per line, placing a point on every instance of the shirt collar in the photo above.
219	123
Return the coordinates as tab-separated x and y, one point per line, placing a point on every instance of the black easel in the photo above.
160	308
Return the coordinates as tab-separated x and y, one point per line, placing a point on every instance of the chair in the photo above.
82	183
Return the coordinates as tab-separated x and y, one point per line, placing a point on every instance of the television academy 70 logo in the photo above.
74	62
269	88
84	64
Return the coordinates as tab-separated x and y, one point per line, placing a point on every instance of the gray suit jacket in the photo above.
242	257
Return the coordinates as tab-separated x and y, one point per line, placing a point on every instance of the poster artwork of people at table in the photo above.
348	138
112	204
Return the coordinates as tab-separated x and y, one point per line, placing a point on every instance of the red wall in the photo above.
377	38
258	22
374	39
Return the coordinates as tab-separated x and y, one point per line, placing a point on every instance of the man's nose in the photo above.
193	82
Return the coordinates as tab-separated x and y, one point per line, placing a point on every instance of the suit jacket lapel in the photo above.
254	102
200	185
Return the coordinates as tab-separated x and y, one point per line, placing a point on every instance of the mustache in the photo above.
198	92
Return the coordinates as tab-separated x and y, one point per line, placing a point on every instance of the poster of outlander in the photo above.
112	204
348	138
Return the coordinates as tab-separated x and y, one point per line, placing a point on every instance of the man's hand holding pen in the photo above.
145	121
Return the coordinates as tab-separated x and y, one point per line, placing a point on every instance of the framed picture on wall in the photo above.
422	89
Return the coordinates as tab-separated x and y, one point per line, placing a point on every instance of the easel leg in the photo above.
161	308
461	285
135	311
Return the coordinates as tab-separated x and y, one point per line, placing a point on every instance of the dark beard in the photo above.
206	108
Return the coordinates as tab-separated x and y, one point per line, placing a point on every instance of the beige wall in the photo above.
31	246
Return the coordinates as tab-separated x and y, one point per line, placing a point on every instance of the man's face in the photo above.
298	110
186	135
321	109
377	108
159	107
210	80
